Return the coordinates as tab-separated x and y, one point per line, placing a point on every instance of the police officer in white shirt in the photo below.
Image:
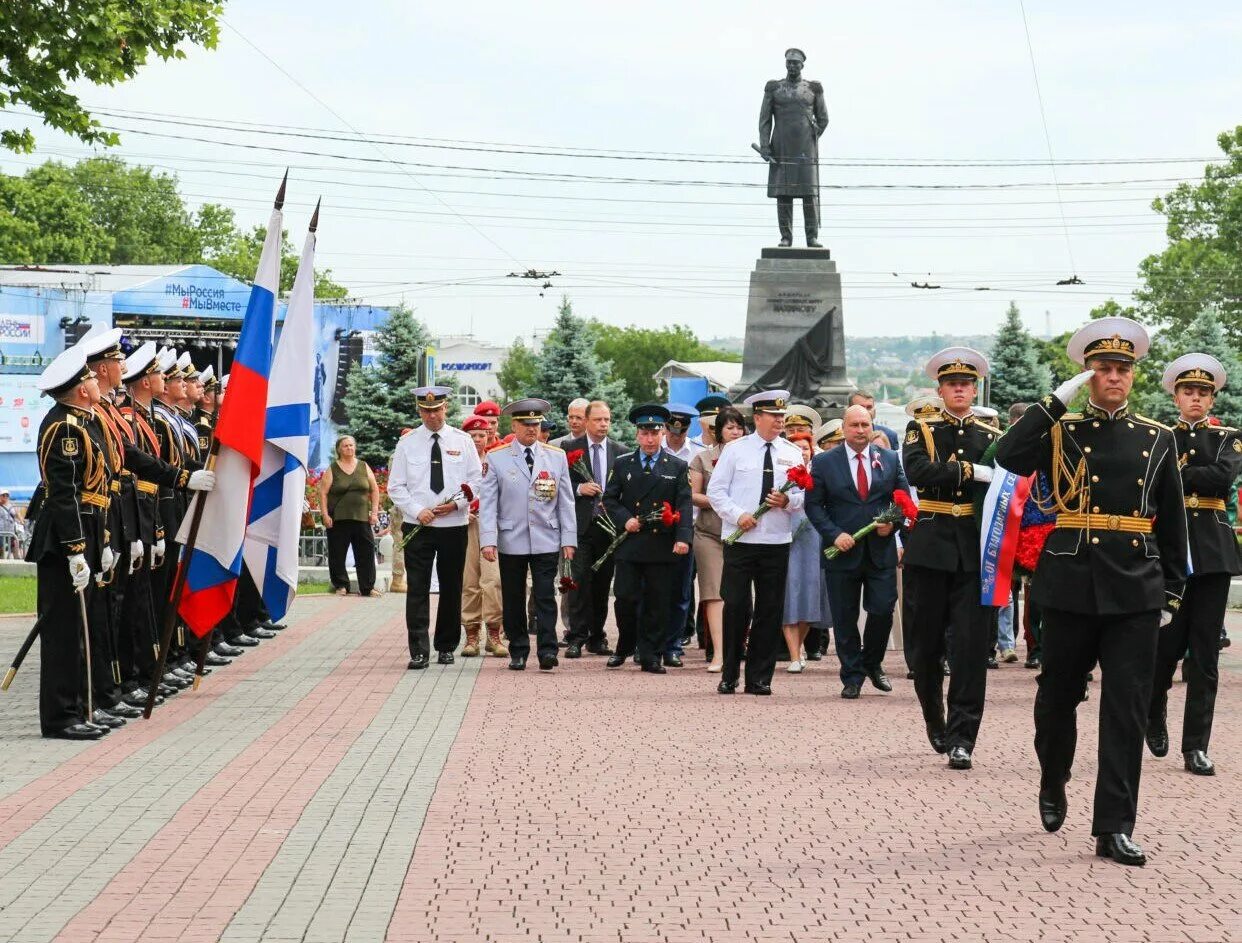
429	467
750	471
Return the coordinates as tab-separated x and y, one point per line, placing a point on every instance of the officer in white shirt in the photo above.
750	472
432	467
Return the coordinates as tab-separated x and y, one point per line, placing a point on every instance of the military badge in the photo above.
545	486
69	446
1237	445
912	436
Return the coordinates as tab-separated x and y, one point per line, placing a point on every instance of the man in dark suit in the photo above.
587	606
853	484
641	483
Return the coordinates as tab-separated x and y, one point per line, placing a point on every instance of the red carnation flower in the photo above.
800	477
905	503
1031	542
669	517
467	492
575	456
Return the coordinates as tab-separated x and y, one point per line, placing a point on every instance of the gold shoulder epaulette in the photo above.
554	448
72	420
498	445
1071	417
1153	422
988	427
1224	429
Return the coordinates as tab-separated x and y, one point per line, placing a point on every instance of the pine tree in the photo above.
568	368
1205	335
1017	374
380	400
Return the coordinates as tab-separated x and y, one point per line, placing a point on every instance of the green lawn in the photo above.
17	593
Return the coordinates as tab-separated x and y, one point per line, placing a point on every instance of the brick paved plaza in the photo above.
315	790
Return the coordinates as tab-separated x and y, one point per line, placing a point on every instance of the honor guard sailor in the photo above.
940	455
1210	458
431	468
527	522
1111	573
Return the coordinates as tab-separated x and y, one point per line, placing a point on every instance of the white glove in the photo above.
1166	617
135	555
982	473
202	480
157	553
107	560
79	572
1065	392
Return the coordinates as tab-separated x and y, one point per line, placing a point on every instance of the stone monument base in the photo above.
791	290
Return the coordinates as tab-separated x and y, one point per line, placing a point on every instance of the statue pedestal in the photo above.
791	290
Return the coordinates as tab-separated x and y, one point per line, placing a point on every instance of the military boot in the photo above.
471	648
496	643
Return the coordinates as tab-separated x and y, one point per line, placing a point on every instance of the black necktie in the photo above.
769	478
648	461
530	460
437	466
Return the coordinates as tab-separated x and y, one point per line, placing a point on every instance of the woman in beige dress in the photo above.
708	549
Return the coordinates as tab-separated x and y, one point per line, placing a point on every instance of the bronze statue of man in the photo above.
791	119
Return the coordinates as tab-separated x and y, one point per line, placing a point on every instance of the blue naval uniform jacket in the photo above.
516	513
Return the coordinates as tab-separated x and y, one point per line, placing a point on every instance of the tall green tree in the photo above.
379	400
1018	375
568	367
1206	335
1201	267
517	376
45	218
236	253
637	353
45	46
140	210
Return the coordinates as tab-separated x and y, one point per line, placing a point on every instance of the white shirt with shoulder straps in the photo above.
409	477
737	480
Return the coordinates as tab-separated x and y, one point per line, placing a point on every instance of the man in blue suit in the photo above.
853	484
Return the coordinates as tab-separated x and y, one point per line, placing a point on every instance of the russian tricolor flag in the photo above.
271	549
998	534
215	559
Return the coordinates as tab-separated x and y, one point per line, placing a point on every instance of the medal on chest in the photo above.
544	486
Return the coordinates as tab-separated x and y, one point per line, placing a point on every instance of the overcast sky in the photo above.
906	83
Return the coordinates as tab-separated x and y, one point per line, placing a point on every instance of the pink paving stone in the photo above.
598	805
21	809
176	876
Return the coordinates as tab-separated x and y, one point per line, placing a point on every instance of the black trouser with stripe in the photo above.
1196	626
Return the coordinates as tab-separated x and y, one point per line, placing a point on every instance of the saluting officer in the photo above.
430	466
1211	461
941	459
1116	558
640	484
527	521
69	541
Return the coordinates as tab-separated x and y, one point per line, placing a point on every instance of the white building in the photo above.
475	364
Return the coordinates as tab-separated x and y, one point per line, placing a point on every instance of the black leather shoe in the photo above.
547	662
959	758
166	690
880	680
726	687
1157	736
121	709
1052	807
138	698
77	732
225	650
935	736
992	662
759	688
909	674
417	662
1117	846
174	680
616	661
654	668
444	658
673	661
1031	662
245	641
1198	763
273	626
598	648
814	655
851	692
261	633
517	662
216	661
101	718
573	650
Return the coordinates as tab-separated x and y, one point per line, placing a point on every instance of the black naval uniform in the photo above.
1115	558
1211	461
645	561
71	520
941	570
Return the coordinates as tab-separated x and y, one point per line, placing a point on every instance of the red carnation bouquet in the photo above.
664	517
797	477
565	573
578	463
466	493
903	508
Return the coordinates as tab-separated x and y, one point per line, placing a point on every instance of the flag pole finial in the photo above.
280	194
314	223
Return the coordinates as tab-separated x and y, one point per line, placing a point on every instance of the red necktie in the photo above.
862	477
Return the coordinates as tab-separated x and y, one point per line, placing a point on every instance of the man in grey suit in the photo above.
527	520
